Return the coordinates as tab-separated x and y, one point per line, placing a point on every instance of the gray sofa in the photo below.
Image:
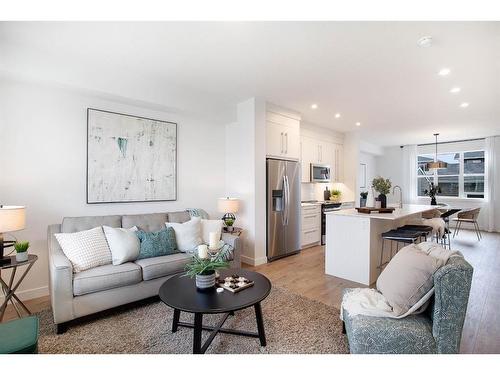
74	295
436	330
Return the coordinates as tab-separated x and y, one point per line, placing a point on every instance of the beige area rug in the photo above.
293	324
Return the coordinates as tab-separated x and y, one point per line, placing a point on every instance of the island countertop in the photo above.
398	213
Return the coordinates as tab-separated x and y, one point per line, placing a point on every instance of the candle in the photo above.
213	240
202	251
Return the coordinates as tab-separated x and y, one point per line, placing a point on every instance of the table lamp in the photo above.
12	218
228	206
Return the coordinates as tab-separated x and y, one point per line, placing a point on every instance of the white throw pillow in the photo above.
208	226
123	243
409	276
188	234
86	249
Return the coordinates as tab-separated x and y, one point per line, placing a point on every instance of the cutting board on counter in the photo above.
369	210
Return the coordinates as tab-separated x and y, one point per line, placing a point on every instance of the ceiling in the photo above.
369	72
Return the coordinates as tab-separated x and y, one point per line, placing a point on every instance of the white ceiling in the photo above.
371	72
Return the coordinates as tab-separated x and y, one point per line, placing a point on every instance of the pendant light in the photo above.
437	164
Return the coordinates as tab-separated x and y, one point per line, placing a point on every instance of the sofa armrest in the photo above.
61	278
236	243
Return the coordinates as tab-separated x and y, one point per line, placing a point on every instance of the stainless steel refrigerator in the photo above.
283	208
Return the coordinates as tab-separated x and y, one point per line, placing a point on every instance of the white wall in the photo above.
371	172
390	165
43	163
246	176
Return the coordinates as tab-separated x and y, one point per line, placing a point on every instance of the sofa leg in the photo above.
343	328
61	328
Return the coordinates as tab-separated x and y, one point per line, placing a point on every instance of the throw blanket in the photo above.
197	212
370	302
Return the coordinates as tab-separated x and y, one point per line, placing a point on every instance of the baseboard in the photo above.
253	261
28	294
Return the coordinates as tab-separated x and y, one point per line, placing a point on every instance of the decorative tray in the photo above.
234	283
369	210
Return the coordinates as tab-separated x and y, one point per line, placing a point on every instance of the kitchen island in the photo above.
354	242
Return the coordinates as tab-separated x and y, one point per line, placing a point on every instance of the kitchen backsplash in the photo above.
314	191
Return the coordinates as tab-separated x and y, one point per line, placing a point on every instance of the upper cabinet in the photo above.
315	150
283	135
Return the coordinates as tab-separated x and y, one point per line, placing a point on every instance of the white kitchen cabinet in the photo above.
311	225
283	136
338	163
316	151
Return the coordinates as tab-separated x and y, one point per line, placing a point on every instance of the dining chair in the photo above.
468	216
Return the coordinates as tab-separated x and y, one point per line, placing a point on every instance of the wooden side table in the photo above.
9	289
236	231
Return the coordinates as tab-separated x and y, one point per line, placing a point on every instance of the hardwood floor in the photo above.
304	274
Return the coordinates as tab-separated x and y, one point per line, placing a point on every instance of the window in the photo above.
463	178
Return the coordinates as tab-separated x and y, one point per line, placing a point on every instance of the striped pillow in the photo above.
86	249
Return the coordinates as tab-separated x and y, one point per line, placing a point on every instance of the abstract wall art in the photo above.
130	158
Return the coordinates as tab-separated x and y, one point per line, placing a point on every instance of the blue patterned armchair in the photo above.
436	330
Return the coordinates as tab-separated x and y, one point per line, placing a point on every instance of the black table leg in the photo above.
198	328
175	322
260	324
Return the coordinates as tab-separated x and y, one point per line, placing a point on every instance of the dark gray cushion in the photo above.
78	224
178	217
145	222
153	268
106	277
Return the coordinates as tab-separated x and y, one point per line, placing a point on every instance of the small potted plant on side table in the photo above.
363	197
383	187
22	251
203	267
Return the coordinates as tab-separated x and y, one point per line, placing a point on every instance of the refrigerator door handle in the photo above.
285	202
287	193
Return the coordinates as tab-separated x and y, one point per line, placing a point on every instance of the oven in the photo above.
327	207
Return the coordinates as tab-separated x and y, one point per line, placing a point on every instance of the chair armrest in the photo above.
236	243
61	278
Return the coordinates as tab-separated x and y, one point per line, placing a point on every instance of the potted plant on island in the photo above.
22	251
203	267
432	192
335	195
383	187
362	200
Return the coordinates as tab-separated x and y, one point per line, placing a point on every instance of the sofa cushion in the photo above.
106	277
153	268
78	224
178	217
123	243
188	234
145	222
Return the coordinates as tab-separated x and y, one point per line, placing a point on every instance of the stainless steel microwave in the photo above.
320	173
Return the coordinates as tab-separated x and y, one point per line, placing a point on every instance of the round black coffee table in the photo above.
180	293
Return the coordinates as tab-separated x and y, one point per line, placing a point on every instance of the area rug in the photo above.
293	324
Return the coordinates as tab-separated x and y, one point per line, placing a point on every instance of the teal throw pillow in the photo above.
155	244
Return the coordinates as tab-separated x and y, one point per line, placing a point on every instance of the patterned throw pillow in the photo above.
86	249
155	244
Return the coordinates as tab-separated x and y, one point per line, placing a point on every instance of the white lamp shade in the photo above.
228	205
12	218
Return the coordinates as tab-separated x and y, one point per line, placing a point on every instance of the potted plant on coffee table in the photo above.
22	251
203	268
383	187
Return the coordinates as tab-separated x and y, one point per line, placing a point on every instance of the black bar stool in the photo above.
398	236
425	229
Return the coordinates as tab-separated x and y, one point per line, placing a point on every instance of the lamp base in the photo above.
3	245
4	261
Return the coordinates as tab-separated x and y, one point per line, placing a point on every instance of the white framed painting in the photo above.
130	158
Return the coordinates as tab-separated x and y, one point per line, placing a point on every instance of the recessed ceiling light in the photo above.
314	106
358	124
444	72
455	90
337	115
425	41
464	105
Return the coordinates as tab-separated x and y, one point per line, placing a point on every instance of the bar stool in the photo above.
398	236
425	229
